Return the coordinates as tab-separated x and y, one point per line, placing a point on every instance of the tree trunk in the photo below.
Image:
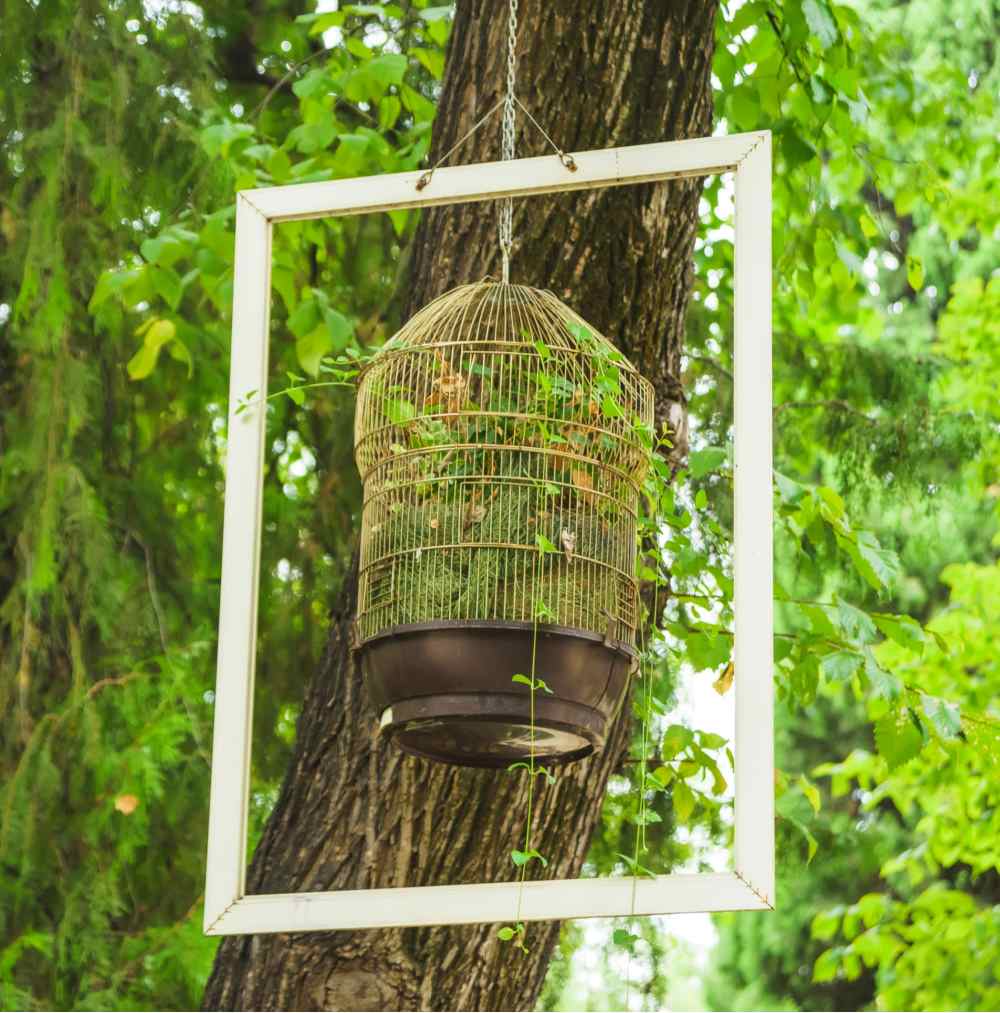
354	813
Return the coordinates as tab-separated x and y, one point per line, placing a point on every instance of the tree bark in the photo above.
354	813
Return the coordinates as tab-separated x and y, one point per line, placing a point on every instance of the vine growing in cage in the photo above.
521	857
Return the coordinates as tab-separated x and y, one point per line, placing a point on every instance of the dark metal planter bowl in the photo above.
443	690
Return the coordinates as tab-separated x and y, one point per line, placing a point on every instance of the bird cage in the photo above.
500	441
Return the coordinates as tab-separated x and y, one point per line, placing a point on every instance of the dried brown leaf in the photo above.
568	539
126	804
724	683
584	484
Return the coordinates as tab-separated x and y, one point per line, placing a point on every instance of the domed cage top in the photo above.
495	425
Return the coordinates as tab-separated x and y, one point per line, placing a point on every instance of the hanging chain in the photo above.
507	140
509	103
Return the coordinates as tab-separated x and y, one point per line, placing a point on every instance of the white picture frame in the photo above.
229	910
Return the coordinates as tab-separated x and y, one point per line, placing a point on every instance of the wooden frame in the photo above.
229	910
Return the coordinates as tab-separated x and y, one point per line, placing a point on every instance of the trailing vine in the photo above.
518	932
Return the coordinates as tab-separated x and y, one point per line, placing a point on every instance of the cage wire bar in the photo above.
229	909
496	420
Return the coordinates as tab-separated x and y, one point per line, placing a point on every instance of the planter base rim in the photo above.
492	730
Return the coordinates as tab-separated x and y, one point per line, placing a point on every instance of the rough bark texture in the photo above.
354	813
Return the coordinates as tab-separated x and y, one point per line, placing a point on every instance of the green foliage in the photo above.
123	136
885	363
124	131
103	760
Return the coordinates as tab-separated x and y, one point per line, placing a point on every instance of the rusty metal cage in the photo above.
498	436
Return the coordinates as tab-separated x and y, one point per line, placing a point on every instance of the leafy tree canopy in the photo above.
125	130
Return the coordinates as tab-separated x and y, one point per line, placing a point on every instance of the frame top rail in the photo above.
522	177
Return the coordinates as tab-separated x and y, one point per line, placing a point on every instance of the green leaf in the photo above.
436	13
833	500
811	844
646	817
143	362
827	965
896	738
167	284
857	625
400	412
375	76
820	22
635	867
112	283
432	60
351	154
884	685
544	544
701	462
676	738
810	791
663	775
745	107
178	351
506	933
622	937
520	858
840	666
795	150
610	408
218	139
399	221
320	22
915	272
168	247
310	138
683	802
872	907
868	227
945	717
708	649
314	83
826	923
388	112
305	318
311	347
387	69
901	629
156	334
879	566
423	110
341	331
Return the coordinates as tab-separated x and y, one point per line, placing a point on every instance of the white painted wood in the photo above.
486	902
753	599
226	863
227	909
489	180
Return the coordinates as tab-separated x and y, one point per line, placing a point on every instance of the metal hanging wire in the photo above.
506	217
509	104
